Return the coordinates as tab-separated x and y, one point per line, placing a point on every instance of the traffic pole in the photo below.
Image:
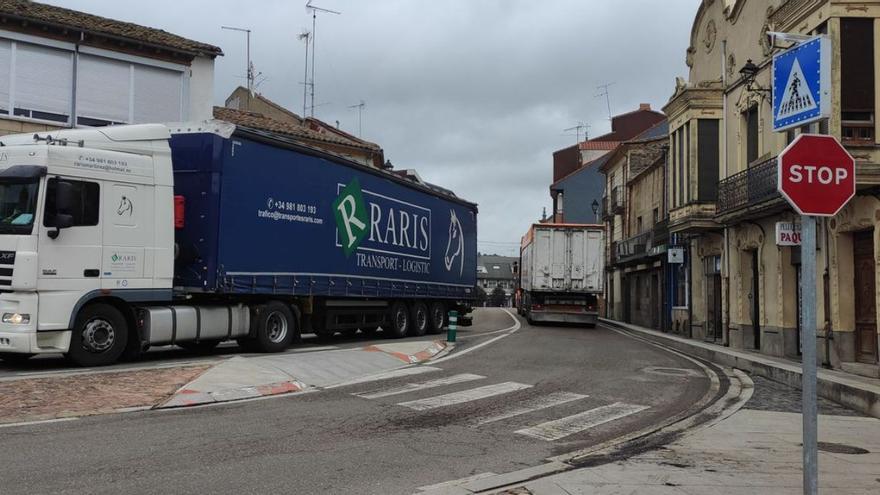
809	409
453	326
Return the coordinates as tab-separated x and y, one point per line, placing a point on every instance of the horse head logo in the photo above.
455	245
125	206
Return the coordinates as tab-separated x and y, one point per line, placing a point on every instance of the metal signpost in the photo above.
817	176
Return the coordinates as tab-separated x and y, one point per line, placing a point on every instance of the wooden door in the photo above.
865	297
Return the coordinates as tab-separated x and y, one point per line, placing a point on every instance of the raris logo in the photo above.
351	215
115	257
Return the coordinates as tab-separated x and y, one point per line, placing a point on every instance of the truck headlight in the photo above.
16	318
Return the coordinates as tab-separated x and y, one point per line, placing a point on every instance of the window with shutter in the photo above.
157	94
43	82
103	91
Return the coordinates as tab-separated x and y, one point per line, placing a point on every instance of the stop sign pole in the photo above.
817	176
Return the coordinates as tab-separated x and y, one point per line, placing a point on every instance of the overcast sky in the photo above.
473	94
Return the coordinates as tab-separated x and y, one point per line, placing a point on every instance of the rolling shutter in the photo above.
157	94
43	79
5	73
103	89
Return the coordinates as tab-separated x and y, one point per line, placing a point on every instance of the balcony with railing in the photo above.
645	244
695	216
617	199
751	191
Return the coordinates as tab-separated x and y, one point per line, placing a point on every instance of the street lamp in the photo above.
595	206
749	72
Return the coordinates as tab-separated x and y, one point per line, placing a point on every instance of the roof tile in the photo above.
50	14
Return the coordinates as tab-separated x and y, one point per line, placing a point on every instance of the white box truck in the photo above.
561	273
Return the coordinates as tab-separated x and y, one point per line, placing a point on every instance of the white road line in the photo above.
413	387
387	375
464	396
509	331
561	428
40	422
532	405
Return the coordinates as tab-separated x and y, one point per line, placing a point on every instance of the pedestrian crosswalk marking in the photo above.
532	405
413	387
464	396
561	428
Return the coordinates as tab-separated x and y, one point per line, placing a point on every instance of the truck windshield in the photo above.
18	204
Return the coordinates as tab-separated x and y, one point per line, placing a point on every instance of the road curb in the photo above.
434	349
860	397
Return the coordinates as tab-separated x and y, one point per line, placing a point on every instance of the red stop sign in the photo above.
816	175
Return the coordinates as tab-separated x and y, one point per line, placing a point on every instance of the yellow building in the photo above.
738	286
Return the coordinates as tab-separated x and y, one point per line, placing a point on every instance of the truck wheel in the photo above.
99	336
400	321
274	327
437	317
419	313
14	357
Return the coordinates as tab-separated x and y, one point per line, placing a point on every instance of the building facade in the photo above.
497	271
575	171
635	216
64	68
737	286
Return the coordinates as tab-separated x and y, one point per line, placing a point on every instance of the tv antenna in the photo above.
305	36
360	106
250	66
577	129
606	94
315	9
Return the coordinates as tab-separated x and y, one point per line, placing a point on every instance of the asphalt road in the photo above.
392	437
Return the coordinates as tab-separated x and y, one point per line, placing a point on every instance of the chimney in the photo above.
644	106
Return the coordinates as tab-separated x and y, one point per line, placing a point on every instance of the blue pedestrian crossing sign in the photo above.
802	84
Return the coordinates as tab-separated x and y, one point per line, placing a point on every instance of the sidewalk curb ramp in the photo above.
240	378
854	393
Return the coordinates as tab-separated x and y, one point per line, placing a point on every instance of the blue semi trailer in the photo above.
147	236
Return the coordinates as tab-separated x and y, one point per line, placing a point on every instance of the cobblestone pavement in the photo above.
86	394
774	396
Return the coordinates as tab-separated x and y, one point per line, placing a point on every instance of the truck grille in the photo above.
7	261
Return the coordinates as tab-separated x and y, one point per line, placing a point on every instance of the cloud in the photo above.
472	94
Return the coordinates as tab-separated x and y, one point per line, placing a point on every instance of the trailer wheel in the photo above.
99	336
400	321
420	319
274	327
437	317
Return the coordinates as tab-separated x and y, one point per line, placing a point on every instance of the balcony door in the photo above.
865	297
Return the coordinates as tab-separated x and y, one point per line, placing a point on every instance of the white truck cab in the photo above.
85	215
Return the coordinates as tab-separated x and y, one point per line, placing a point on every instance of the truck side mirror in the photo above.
64	203
63	196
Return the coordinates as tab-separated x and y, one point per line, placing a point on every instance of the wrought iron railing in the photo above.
636	246
751	187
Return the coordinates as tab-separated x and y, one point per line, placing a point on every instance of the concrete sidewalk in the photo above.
750	452
272	374
859	393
